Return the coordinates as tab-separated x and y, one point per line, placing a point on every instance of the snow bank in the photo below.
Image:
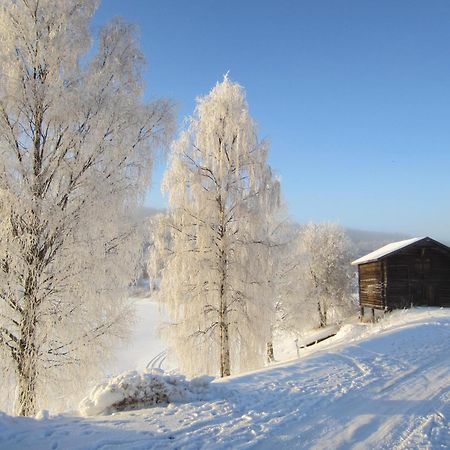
137	389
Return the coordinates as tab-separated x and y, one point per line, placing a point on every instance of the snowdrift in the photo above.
142	389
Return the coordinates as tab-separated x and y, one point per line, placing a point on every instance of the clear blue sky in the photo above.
354	97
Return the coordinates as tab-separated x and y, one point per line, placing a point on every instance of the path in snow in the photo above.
144	346
388	390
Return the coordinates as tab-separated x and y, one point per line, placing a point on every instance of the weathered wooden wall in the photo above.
371	287
416	275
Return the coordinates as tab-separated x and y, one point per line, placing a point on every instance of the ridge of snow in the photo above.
386	250
143	389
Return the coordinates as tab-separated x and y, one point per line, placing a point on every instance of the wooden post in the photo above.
270	356
373	314
361	313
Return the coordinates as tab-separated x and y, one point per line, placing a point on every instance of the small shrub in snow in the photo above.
132	390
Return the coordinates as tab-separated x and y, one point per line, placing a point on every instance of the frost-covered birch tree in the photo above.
292	312
214	242
325	273
76	144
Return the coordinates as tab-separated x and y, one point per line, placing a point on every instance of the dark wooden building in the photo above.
415	272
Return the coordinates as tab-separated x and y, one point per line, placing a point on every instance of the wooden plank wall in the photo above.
419	275
371	285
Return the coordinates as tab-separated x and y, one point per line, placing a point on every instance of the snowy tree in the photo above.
291	312
214	241
324	273
284	282
76	144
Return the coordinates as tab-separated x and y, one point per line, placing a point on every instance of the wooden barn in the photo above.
406	273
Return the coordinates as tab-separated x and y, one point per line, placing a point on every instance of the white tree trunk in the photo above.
322	314
26	357
225	368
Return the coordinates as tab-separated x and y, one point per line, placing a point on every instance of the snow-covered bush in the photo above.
138	389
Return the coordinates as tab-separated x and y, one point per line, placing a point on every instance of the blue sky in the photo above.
354	97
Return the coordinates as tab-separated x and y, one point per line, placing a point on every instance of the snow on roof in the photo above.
386	250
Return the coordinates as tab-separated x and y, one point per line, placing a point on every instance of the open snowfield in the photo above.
371	386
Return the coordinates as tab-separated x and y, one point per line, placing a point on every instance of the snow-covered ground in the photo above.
144	346
371	386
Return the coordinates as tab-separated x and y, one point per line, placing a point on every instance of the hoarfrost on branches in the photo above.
76	150
314	285
326	274
214	241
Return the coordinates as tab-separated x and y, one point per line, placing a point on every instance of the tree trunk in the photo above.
26	388
27	363
223	323
26	357
224	350
225	365
270	355
322	315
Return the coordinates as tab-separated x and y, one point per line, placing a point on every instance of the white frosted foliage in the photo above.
76	150
314	285
213	245
325	271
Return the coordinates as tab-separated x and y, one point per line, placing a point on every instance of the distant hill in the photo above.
367	241
363	241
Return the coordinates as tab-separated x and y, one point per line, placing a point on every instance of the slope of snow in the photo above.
386	250
144	344
371	386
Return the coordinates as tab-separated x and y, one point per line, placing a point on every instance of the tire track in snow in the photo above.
158	361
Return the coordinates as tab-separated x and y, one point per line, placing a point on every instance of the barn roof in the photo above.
386	250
